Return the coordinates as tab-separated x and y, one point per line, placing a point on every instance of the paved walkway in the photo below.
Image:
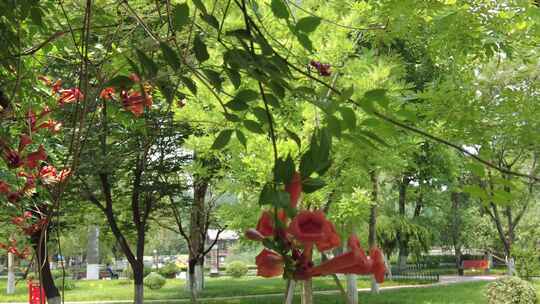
443	280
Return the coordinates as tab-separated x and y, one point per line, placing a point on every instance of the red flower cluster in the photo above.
17	158
133	101
12	248
28	225
295	238
322	68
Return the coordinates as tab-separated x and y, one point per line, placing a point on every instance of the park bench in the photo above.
476	264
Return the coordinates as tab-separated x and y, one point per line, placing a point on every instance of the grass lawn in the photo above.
174	289
464	293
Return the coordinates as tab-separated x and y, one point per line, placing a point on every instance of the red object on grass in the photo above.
475	264
36	294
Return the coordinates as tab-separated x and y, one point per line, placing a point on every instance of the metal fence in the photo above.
417	272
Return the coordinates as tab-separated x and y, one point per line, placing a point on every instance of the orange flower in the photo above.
69	96
135	103
331	240
51	124
295	189
265	226
45	80
25	140
49	175
4	187
107	93
56	86
269	264
313	227
254	235
32	160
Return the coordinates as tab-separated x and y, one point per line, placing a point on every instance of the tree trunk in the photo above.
11	274
92	253
401	236
372	235
352	289
197	237
138	278
289	294
39	244
307	292
455	230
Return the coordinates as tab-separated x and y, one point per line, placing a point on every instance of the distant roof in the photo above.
225	235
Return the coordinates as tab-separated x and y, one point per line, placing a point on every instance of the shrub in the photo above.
527	261
237	269
511	290
57	273
128	272
66	284
154	281
169	270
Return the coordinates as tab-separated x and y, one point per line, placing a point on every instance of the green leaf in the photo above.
180	16
36	16
247	95
374	136
310	185
277	89
279	9
231	117
222	139
307	164
234	77
349	117
149	66
200	5
284	170
334	125
214	77
189	84
241	138
120	81
170	56
210	19
304	40
237	105
261	114
308	24
267	195
201	52
253	126
376	94
346	94
294	137
272	100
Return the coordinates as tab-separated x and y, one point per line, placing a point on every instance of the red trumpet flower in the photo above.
294	188
33	159
269	264
69	96
266	226
313	227
4	187
107	93
24	141
322	68
135	102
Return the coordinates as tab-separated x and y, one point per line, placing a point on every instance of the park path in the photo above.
443	280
